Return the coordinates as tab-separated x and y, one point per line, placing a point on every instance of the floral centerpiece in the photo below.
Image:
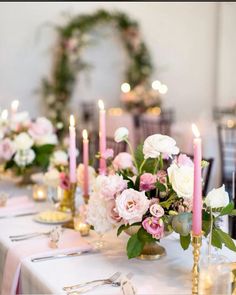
26	143
151	190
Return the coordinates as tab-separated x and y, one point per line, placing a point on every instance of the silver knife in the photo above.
62	255
19	215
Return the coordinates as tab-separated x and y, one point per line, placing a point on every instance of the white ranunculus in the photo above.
23	141
182	179
59	158
47	139
24	157
217	198
157	144
121	134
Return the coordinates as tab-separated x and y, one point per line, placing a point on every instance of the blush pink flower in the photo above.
40	128
162	176
183	160
109	153
156	210
7	149
123	161
64	181
131	205
154	226
147	182
112	212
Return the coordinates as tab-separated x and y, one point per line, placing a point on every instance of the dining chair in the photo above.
150	124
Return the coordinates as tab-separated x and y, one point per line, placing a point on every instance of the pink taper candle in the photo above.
102	136
72	150
197	191
86	161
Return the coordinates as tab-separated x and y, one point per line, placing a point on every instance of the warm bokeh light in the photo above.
101	104
195	130
163	89
125	87
4	115
15	105
115	112
85	134
154	111
72	121
156	85
230	123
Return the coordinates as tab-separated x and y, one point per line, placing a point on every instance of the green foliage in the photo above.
185	241
161	186
122	228
226	239
134	246
43	154
227	210
144	236
216	239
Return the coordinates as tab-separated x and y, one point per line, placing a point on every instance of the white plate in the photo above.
38	219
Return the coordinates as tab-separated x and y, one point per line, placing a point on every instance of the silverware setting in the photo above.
22	237
62	255
19	215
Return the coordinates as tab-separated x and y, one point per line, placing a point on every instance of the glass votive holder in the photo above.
81	226
39	192
3	198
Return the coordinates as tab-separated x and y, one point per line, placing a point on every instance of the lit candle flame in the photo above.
15	105
4	115
101	104
195	130
85	134
40	193
125	87
72	121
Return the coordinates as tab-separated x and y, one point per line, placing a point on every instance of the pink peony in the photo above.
64	181
183	160
123	161
7	149
162	176
112	213
154	226
109	153
147	182
156	210
132	205
40	128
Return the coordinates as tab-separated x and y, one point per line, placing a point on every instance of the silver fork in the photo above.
15	238
99	282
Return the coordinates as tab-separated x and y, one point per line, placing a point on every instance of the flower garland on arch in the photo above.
68	62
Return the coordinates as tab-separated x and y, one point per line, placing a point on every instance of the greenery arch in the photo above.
68	62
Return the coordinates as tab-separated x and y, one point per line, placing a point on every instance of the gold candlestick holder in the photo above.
86	198
196	243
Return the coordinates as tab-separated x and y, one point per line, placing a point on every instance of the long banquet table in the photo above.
169	275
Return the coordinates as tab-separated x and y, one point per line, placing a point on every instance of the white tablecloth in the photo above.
169	275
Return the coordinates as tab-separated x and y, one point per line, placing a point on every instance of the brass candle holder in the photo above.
86	198
196	243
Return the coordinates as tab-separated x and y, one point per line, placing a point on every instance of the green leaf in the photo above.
227	210
144	236
138	154
46	148
167	203
233	212
122	228
134	246
216	239
9	164
226	239
161	187
185	241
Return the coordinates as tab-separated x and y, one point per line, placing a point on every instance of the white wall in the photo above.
181	38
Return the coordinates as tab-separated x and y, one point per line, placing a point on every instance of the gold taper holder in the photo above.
196	243
86	198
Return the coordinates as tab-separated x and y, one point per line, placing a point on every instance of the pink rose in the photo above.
183	160
109	153
162	176
112	212
156	210
110	186
132	205
64	181
154	226
7	149
147	182
40	128
123	161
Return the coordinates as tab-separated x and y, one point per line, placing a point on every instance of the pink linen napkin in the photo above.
70	241
17	205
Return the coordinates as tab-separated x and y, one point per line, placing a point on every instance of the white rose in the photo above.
182	179
52	177
23	141
80	175
132	205
156	210
59	158
217	198
24	157
156	144
47	139
19	119
121	134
